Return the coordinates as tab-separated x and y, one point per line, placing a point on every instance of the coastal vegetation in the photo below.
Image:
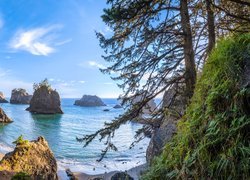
213	139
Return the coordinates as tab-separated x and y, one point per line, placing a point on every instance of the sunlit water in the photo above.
61	131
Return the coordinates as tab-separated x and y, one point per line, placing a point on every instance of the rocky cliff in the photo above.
174	103
45	101
3	117
89	101
20	96
2	98
33	160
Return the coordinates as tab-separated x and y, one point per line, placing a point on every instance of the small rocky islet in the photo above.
45	101
20	96
2	98
89	101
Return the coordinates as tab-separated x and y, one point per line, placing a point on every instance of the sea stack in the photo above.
45	100
89	101
4	119
20	96
2	98
33	158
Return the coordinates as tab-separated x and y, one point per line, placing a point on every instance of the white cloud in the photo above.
36	41
63	42
82	82
95	64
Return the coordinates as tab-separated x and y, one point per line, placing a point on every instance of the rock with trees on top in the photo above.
45	100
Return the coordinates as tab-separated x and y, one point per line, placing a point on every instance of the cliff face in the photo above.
3	117
45	101
20	96
174	103
2	98
33	158
89	101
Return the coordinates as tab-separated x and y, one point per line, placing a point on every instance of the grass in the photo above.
213	139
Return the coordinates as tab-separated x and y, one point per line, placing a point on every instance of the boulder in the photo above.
174	103
117	106
32	159
121	176
3	117
20	96
89	101
45	101
2	98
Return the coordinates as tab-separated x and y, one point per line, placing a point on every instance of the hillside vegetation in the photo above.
213	137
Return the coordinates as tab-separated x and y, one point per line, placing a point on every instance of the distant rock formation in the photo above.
89	101
2	98
117	106
20	96
32	159
4	118
45	101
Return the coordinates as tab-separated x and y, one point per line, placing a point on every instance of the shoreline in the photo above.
133	172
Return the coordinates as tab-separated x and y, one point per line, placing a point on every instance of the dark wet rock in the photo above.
20	96
121	176
45	101
4	118
89	101
106	110
117	106
174	103
2	98
30	158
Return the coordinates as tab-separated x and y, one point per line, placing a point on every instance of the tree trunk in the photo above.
190	73
211	26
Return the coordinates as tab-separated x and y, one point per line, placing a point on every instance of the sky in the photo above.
56	40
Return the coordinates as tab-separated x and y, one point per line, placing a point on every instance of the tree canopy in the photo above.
158	43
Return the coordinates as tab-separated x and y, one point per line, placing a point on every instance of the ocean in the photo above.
61	131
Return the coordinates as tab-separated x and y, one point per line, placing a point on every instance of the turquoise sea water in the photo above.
61	131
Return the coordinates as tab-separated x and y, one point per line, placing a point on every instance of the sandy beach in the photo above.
133	172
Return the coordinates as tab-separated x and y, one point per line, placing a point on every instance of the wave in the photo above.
5	148
93	167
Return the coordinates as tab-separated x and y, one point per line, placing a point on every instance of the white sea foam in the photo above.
5	148
93	167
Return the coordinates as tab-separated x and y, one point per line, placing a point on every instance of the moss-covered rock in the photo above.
30	159
213	139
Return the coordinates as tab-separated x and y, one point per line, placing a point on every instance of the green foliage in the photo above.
44	83
20	141
213	139
21	176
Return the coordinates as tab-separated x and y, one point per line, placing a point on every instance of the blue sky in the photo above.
56	40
